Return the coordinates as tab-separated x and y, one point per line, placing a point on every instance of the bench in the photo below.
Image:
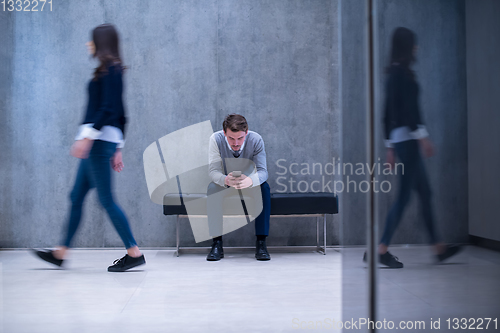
282	205
177	173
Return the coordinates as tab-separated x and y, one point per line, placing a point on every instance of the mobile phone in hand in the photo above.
236	174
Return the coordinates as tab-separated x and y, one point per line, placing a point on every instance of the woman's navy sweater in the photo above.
401	100
105	106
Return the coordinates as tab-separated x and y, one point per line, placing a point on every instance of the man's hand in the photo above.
244	182
81	148
427	147
230	180
238	182
116	161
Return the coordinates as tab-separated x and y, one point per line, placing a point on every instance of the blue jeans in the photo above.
413	177
95	171
214	210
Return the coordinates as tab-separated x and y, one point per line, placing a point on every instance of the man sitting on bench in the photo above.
236	141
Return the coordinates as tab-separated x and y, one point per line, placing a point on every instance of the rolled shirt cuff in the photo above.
255	179
222	181
419	133
121	144
388	144
90	133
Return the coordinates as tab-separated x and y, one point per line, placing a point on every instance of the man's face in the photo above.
235	139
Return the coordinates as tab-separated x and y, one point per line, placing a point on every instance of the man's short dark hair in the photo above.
235	122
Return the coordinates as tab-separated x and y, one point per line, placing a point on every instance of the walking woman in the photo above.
407	138
98	145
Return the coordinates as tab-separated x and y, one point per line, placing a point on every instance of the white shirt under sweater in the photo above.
403	133
107	133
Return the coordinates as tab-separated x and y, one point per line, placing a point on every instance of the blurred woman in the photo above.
407	138
98	144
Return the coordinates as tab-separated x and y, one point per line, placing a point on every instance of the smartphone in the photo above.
236	173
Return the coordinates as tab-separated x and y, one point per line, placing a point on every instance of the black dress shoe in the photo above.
48	256
261	251
217	252
126	263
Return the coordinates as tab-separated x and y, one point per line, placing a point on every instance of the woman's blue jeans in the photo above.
95	171
413	177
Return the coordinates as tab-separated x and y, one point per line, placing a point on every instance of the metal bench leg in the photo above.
318	247
177	234
317	233
321	249
324	234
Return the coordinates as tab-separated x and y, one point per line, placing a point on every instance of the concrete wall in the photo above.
483	87
277	62
6	52
440	68
353	118
274	61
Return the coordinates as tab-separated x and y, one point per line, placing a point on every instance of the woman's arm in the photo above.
81	148
116	161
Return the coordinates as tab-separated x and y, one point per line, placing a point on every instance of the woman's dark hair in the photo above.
107	48
235	122
403	43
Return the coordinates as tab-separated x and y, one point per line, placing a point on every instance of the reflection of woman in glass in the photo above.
98	145
406	136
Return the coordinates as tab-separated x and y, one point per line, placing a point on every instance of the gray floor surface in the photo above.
292	292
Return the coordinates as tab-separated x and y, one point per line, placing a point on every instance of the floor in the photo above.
292	292
466	286
170	294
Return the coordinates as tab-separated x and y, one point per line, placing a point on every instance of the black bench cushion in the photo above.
303	203
281	204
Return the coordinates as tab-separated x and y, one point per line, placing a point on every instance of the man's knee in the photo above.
266	193
214	188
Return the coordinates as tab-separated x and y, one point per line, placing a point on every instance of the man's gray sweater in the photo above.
252	149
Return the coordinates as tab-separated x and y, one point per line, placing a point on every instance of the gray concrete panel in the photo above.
440	69
483	98
170	51
6	166
278	66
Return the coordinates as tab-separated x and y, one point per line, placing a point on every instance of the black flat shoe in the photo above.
261	252
388	260
450	251
126	263
48	256
217	252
